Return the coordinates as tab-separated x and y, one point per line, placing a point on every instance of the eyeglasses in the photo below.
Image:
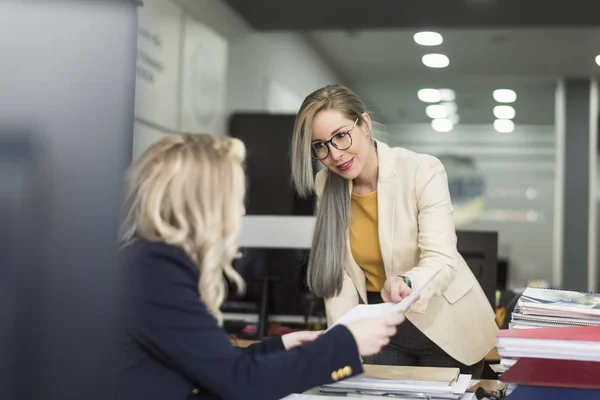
341	141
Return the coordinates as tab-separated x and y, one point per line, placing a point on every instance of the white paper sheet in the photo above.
362	311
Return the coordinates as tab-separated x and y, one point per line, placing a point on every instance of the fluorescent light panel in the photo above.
505	95
504	112
435	60
429	95
504	125
442	125
428	38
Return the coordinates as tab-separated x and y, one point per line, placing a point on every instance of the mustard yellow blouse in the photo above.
364	240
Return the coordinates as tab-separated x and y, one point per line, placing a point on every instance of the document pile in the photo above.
551	361
540	308
412	382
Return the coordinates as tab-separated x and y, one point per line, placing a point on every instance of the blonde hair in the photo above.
187	190
329	250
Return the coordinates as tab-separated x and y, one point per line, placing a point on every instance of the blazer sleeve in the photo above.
437	234
174	325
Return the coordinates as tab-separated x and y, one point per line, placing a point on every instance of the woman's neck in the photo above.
366	181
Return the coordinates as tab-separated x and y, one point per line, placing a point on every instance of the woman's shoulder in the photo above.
408	160
147	261
146	250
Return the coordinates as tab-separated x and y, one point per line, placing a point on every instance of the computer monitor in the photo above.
274	256
480	251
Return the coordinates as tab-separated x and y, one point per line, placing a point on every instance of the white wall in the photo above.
284	59
518	169
261	72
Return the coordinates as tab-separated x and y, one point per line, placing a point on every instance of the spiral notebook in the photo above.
560	303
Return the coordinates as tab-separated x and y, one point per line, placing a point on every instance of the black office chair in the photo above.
480	251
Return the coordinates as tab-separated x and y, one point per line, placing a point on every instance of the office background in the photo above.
221	58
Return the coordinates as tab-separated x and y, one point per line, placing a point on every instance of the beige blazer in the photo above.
417	237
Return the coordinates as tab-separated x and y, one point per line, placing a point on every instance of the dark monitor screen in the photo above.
287	270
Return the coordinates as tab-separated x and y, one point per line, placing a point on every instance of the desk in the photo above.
487	384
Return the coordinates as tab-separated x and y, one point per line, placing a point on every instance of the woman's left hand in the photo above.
295	339
395	289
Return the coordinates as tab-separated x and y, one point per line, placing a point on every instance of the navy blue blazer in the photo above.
173	348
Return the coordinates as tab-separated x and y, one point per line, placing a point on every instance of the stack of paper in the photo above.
569	343
437	383
466	396
564	343
552	362
541	308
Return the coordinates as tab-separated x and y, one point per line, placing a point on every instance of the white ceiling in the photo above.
385	68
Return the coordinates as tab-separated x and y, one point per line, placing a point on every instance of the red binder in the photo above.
554	373
579	333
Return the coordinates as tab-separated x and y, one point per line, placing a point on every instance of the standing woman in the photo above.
185	202
384	226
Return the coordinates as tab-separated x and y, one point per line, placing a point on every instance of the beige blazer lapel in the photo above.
354	271
386	203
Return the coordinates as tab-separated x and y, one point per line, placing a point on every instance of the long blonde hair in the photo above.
329	250
187	190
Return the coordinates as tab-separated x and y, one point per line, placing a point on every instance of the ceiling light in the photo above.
598	59
450	106
429	95
442	125
454	118
428	38
504	125
435	60
448	94
436	111
505	95
504	112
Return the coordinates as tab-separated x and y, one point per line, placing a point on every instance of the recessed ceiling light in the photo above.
429	95
448	94
442	125
435	60
436	111
428	38
450	106
504	125
598	59
505	95
504	112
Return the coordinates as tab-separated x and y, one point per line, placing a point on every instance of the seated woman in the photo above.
183	215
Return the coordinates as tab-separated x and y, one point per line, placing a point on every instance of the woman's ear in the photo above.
367	119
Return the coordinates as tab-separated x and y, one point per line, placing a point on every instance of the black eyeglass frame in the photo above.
330	141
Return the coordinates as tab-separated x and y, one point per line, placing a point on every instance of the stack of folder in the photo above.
550	363
420	382
543	308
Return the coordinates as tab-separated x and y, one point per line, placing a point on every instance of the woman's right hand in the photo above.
371	334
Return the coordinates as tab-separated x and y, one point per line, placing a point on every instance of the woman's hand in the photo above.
395	289
295	339
371	334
